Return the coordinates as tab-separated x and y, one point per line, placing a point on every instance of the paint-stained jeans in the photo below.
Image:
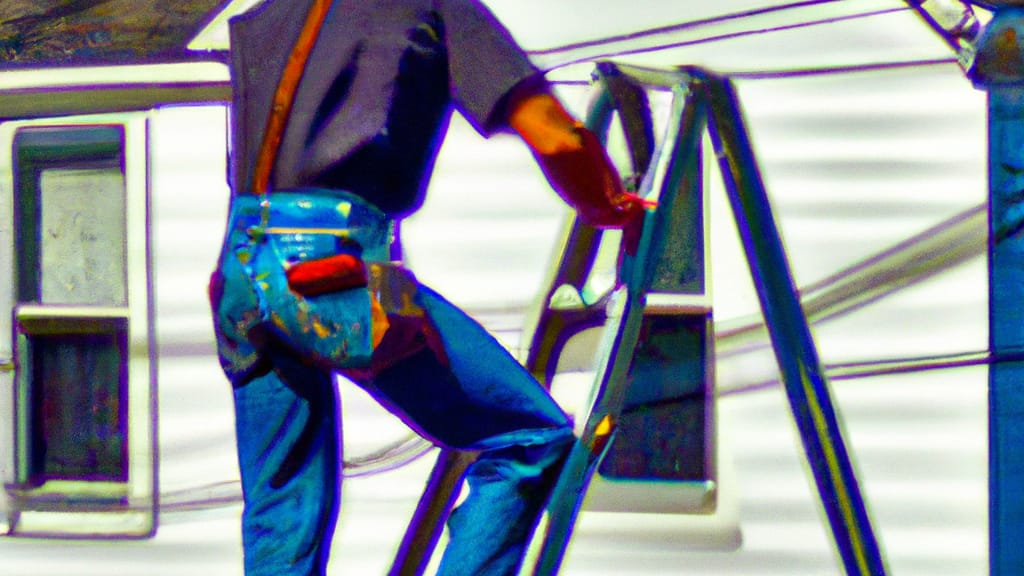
436	368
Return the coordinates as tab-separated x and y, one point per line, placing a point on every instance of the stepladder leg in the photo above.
552	538
427	524
553	534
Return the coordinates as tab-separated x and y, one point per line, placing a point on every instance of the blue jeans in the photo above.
436	369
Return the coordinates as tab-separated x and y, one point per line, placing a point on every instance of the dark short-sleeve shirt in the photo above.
377	93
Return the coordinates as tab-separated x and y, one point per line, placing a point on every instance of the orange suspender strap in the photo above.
285	94
329	274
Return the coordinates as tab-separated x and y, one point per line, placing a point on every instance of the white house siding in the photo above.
854	164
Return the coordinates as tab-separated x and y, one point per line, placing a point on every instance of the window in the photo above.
84	427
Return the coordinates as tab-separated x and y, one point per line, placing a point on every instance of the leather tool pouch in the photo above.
321	306
326	275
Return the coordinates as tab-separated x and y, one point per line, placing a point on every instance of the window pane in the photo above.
82	237
78	393
662	432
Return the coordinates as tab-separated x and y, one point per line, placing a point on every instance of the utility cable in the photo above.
707	39
690	25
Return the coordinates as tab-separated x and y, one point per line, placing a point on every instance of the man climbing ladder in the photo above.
338	113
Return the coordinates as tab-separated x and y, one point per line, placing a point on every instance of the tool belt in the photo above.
305	253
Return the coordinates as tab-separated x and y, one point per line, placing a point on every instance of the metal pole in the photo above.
995	64
998	68
1006	331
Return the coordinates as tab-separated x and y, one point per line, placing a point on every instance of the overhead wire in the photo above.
678	27
832	70
617	39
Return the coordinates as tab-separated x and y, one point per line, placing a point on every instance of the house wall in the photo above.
854	164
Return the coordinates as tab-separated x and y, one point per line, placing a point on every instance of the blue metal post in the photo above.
1006	330
994	61
999	69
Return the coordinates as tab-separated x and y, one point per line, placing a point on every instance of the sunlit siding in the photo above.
854	164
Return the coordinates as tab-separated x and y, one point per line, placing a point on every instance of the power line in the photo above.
678	27
707	39
812	71
884	367
850	69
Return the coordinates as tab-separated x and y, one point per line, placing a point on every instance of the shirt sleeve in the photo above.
485	62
